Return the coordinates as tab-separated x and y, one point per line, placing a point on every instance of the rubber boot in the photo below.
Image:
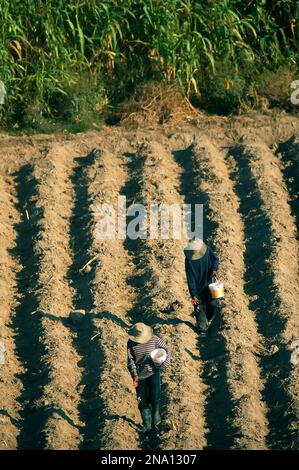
156	415
201	319
147	420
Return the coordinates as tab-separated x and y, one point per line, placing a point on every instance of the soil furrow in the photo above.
212	352
60	396
271	280
50	418
29	344
162	302
10	385
236	371
288	151
110	418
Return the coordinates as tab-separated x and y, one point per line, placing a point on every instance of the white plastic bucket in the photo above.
217	290
158	355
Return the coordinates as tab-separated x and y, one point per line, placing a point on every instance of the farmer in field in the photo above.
201	264
147	356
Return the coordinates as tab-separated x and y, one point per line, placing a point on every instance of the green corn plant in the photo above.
47	46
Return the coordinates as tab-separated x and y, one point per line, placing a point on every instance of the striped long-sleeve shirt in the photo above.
140	362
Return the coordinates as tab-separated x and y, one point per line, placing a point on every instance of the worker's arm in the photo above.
190	279
132	367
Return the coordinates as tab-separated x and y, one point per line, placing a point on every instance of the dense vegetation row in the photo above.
70	60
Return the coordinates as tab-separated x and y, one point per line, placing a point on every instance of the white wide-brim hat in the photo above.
195	249
140	333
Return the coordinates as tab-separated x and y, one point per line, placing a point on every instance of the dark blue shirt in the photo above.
199	274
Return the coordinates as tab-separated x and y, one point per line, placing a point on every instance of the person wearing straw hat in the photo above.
201	264
147	356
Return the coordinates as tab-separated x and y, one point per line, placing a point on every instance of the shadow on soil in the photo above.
258	281
289	151
219	405
91	405
27	327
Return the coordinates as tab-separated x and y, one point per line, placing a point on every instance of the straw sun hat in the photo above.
140	333
195	249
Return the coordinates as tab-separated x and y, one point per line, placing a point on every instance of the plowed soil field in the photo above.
64	382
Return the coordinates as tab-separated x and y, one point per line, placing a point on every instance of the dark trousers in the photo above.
205	311
149	390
